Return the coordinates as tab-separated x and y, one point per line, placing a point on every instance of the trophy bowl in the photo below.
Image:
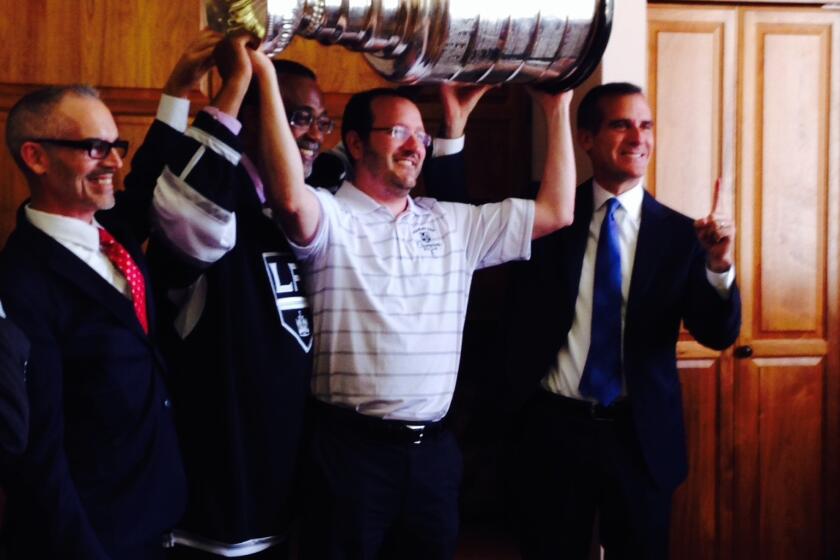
556	44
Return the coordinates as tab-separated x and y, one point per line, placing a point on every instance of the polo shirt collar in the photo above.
361	203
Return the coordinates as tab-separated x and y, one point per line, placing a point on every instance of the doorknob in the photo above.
742	352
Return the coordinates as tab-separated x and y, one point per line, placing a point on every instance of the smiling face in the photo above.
621	148
393	165
69	181
302	93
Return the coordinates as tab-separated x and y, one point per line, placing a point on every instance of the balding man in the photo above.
102	475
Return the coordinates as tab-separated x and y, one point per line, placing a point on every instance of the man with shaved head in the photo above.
101	477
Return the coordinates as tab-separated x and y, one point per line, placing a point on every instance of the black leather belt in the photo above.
583	409
391	431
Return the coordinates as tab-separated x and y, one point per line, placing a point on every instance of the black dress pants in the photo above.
371	494
571	466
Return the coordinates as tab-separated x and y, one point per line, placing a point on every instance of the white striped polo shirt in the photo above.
389	295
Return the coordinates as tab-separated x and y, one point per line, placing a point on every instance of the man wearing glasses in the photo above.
242	341
101	477
389	278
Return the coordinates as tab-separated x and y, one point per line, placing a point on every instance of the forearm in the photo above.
229	99
556	197
286	190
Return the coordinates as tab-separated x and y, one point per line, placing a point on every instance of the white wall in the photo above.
625	60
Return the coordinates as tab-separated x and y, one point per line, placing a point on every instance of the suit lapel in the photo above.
575	242
649	247
66	265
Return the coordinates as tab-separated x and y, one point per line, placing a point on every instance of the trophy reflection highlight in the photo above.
555	42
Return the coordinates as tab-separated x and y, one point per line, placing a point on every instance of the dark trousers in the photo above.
572	467
371	496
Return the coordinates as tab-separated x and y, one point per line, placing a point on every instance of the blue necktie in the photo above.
601	378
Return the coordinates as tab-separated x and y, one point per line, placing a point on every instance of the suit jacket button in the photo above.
167	403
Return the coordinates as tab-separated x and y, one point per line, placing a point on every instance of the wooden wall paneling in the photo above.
339	70
125	48
13	189
786	396
125	43
692	91
133	128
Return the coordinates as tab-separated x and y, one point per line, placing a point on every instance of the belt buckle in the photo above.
417	431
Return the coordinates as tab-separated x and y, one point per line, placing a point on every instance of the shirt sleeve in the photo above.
722	281
193	201
315	250
447	146
174	111
495	233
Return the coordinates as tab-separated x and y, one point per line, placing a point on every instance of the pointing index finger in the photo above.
716	196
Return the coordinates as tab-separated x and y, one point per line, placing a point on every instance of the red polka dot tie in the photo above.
117	254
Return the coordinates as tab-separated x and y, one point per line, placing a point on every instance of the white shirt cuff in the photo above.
447	146
174	111
721	281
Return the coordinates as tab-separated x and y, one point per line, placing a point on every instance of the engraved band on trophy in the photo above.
555	42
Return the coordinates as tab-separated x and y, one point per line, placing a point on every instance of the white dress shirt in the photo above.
81	239
564	376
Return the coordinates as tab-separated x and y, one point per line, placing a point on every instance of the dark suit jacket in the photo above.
668	285
14	405
102	475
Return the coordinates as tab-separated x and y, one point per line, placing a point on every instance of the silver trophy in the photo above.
555	42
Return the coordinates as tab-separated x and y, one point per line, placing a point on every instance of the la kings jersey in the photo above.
240	343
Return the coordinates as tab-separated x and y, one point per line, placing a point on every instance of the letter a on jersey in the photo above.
292	307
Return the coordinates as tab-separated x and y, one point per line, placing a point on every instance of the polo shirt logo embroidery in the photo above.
292	306
426	238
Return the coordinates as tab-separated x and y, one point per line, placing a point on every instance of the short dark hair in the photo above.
358	113
590	116
283	67
31	116
291	68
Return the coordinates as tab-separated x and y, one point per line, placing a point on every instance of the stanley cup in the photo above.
555	42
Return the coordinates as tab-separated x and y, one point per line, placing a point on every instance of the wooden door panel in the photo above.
695	531
780	442
691	82
787	175
791	143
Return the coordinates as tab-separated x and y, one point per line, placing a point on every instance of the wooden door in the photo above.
752	94
786	392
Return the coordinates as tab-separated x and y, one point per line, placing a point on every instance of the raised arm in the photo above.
293	202
155	152
458	102
193	64
556	197
444	173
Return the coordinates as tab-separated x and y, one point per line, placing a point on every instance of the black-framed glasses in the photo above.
302	118
401	133
96	148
